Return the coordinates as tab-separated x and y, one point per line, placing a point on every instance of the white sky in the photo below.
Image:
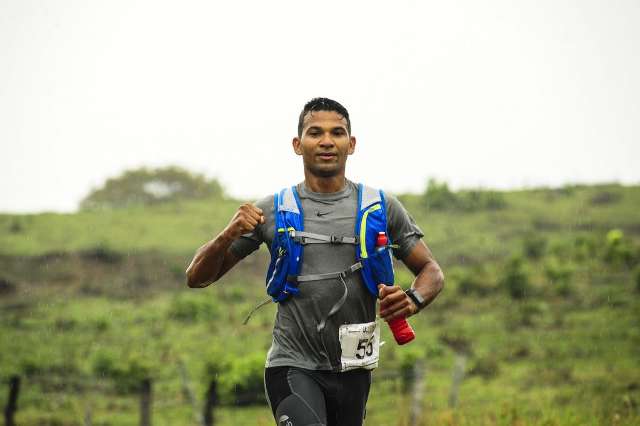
500	94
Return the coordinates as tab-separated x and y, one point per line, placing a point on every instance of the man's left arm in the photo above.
428	282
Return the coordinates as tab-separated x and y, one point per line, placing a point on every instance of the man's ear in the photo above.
296	145
352	144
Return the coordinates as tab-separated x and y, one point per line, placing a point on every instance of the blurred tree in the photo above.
515	278
559	273
477	199
151	186
438	196
474	281
534	245
618	249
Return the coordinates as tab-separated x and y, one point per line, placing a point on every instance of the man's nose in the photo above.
327	140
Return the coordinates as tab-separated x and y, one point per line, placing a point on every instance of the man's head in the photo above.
324	138
322	104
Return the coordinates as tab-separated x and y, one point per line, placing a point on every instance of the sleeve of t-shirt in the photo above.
248	243
403	229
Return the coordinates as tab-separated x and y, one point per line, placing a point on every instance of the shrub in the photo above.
515	278
191	308
16	226
242	382
534	245
127	376
457	338
524	314
408	360
474	282
476	200
130	379
559	275
438	196
636	277
605	197
584	248
103	364
31	366
40	364
101	324
486	367
102	253
529	310
64	324
618	250
6	287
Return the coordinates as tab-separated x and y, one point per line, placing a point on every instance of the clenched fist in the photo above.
394	303
245	220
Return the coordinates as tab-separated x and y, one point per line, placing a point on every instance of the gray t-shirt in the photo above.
296	341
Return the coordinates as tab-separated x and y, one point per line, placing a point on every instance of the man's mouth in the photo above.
326	156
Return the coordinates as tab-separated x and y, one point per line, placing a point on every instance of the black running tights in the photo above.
300	397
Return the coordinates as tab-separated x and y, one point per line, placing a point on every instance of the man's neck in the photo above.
324	184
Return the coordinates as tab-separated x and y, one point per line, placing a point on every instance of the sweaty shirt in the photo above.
296	341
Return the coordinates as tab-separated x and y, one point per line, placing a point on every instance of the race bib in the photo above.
360	344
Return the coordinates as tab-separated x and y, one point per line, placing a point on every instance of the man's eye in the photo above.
338	132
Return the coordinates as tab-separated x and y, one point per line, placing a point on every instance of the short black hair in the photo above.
322	104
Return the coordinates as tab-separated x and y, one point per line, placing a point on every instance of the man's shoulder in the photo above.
265	203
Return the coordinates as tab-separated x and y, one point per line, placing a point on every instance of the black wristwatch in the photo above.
416	298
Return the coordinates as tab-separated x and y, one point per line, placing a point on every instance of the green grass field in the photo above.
542	299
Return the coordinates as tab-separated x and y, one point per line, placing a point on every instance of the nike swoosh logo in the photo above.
319	213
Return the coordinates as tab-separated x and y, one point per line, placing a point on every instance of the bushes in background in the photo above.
438	196
193	307
618	249
240	378
127	375
559	274
151	186
515	278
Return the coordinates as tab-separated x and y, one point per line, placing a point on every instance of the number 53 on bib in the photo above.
360	344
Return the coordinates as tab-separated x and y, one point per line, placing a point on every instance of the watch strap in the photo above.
416	298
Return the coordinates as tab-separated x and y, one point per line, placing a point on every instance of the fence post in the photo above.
12	404
87	417
458	375
210	401
188	392
418	393
145	403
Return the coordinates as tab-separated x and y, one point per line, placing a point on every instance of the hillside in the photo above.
542	303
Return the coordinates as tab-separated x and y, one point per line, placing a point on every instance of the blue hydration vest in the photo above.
374	263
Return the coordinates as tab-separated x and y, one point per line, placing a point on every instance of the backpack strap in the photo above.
311	238
288	201
367	196
329	275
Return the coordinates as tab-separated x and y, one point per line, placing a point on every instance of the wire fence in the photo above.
151	394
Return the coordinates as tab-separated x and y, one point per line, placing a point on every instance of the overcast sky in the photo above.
498	94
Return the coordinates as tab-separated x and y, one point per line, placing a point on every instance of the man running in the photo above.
325	336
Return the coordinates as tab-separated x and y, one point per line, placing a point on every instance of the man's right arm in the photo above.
214	258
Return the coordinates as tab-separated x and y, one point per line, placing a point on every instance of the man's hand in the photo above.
245	220
214	258
394	303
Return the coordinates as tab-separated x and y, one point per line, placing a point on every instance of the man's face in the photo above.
325	143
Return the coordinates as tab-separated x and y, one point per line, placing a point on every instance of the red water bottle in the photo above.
402	331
